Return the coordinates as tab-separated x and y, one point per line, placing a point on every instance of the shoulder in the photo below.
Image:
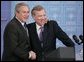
31	24
11	24
52	22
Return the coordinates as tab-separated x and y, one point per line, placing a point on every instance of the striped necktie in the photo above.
41	33
25	27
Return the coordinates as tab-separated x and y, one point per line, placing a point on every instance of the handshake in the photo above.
32	55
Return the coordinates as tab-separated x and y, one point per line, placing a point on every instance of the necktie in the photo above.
26	29
41	34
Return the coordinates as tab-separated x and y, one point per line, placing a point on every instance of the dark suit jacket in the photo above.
16	42
51	32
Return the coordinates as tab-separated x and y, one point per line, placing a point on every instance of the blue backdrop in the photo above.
68	14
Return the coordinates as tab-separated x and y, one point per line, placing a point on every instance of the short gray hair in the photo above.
36	8
19	5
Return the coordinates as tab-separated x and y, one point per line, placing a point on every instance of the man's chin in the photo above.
25	20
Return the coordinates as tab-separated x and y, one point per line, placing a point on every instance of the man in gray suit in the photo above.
16	40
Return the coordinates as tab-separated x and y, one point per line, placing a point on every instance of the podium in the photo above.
61	54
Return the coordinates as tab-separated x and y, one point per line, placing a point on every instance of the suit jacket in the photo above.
51	32
16	42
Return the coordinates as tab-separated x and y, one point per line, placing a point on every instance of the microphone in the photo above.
81	38
76	39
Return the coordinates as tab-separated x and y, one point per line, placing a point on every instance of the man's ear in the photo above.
33	16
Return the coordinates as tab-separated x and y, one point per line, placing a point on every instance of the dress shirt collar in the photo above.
38	26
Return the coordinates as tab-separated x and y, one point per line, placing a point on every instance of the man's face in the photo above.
40	17
23	13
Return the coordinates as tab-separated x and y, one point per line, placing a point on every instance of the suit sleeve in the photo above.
11	38
61	35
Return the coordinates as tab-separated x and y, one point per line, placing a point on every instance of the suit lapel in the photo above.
45	33
35	32
20	26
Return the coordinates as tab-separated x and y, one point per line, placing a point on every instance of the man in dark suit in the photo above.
42	45
16	39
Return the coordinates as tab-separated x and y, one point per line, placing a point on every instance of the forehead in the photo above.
40	12
24	8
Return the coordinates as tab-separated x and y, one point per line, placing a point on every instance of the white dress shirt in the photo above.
38	29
